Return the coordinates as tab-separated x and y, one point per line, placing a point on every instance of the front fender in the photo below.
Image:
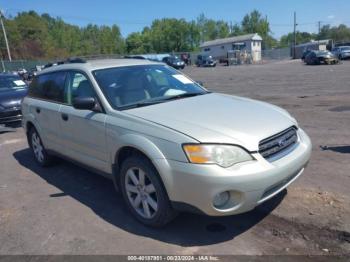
140	143
148	148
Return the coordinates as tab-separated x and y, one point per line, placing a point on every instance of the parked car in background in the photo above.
174	61
305	53
12	90
320	57
205	61
135	56
342	52
167	143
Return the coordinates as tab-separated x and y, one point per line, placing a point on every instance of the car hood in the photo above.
12	97
326	56
219	118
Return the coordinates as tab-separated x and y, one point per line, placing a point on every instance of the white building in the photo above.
218	48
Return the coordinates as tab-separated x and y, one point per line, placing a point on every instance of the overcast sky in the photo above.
133	15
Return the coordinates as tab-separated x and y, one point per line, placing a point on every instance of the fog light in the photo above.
221	199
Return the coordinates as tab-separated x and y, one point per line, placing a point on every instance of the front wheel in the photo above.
38	149
144	193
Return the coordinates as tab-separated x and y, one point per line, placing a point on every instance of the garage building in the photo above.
218	48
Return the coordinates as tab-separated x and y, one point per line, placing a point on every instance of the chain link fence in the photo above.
16	65
264	56
276	54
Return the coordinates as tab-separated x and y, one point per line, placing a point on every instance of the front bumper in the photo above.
179	66
345	55
10	115
211	64
249	184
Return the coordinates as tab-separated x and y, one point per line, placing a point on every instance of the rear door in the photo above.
83	131
46	96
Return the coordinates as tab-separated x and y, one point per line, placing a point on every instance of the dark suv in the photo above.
205	60
174	61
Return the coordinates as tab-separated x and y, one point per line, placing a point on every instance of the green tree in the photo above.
301	37
170	34
134	43
34	36
339	33
235	30
254	22
210	29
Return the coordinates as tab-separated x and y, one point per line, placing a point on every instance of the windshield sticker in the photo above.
183	79
19	83
174	92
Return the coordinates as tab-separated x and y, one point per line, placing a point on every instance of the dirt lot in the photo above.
68	210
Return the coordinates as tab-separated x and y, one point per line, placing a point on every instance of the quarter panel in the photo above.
45	120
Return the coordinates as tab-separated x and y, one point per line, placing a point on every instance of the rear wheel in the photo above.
144	192
38	149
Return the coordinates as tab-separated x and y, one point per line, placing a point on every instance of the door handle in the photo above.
38	110
64	117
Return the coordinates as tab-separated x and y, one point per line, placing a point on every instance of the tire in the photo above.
40	154
146	198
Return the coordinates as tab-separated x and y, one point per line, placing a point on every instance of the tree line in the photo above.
34	36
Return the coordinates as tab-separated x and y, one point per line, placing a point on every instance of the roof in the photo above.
315	42
233	39
91	65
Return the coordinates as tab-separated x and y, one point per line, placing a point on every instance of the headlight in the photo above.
222	155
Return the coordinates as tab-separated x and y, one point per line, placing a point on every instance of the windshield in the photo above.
174	59
125	87
11	82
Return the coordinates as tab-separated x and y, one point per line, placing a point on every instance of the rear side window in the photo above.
49	87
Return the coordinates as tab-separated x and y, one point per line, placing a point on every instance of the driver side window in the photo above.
77	86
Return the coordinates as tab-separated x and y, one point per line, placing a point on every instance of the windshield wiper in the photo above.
158	101
141	104
183	96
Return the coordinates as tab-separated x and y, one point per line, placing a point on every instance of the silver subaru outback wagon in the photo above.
167	143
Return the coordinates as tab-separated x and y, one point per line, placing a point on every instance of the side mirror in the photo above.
84	103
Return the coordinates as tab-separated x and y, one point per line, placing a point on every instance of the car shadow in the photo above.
97	193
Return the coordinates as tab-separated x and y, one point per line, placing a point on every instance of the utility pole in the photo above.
319	28
295	35
5	36
318	36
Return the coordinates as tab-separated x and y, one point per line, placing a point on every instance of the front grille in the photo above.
278	143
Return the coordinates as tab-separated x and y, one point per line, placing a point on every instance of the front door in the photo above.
83	131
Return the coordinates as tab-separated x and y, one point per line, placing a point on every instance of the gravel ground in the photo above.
68	210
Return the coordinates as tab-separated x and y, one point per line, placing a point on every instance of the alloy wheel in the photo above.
37	147
141	192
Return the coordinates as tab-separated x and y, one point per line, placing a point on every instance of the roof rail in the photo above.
70	60
75	60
